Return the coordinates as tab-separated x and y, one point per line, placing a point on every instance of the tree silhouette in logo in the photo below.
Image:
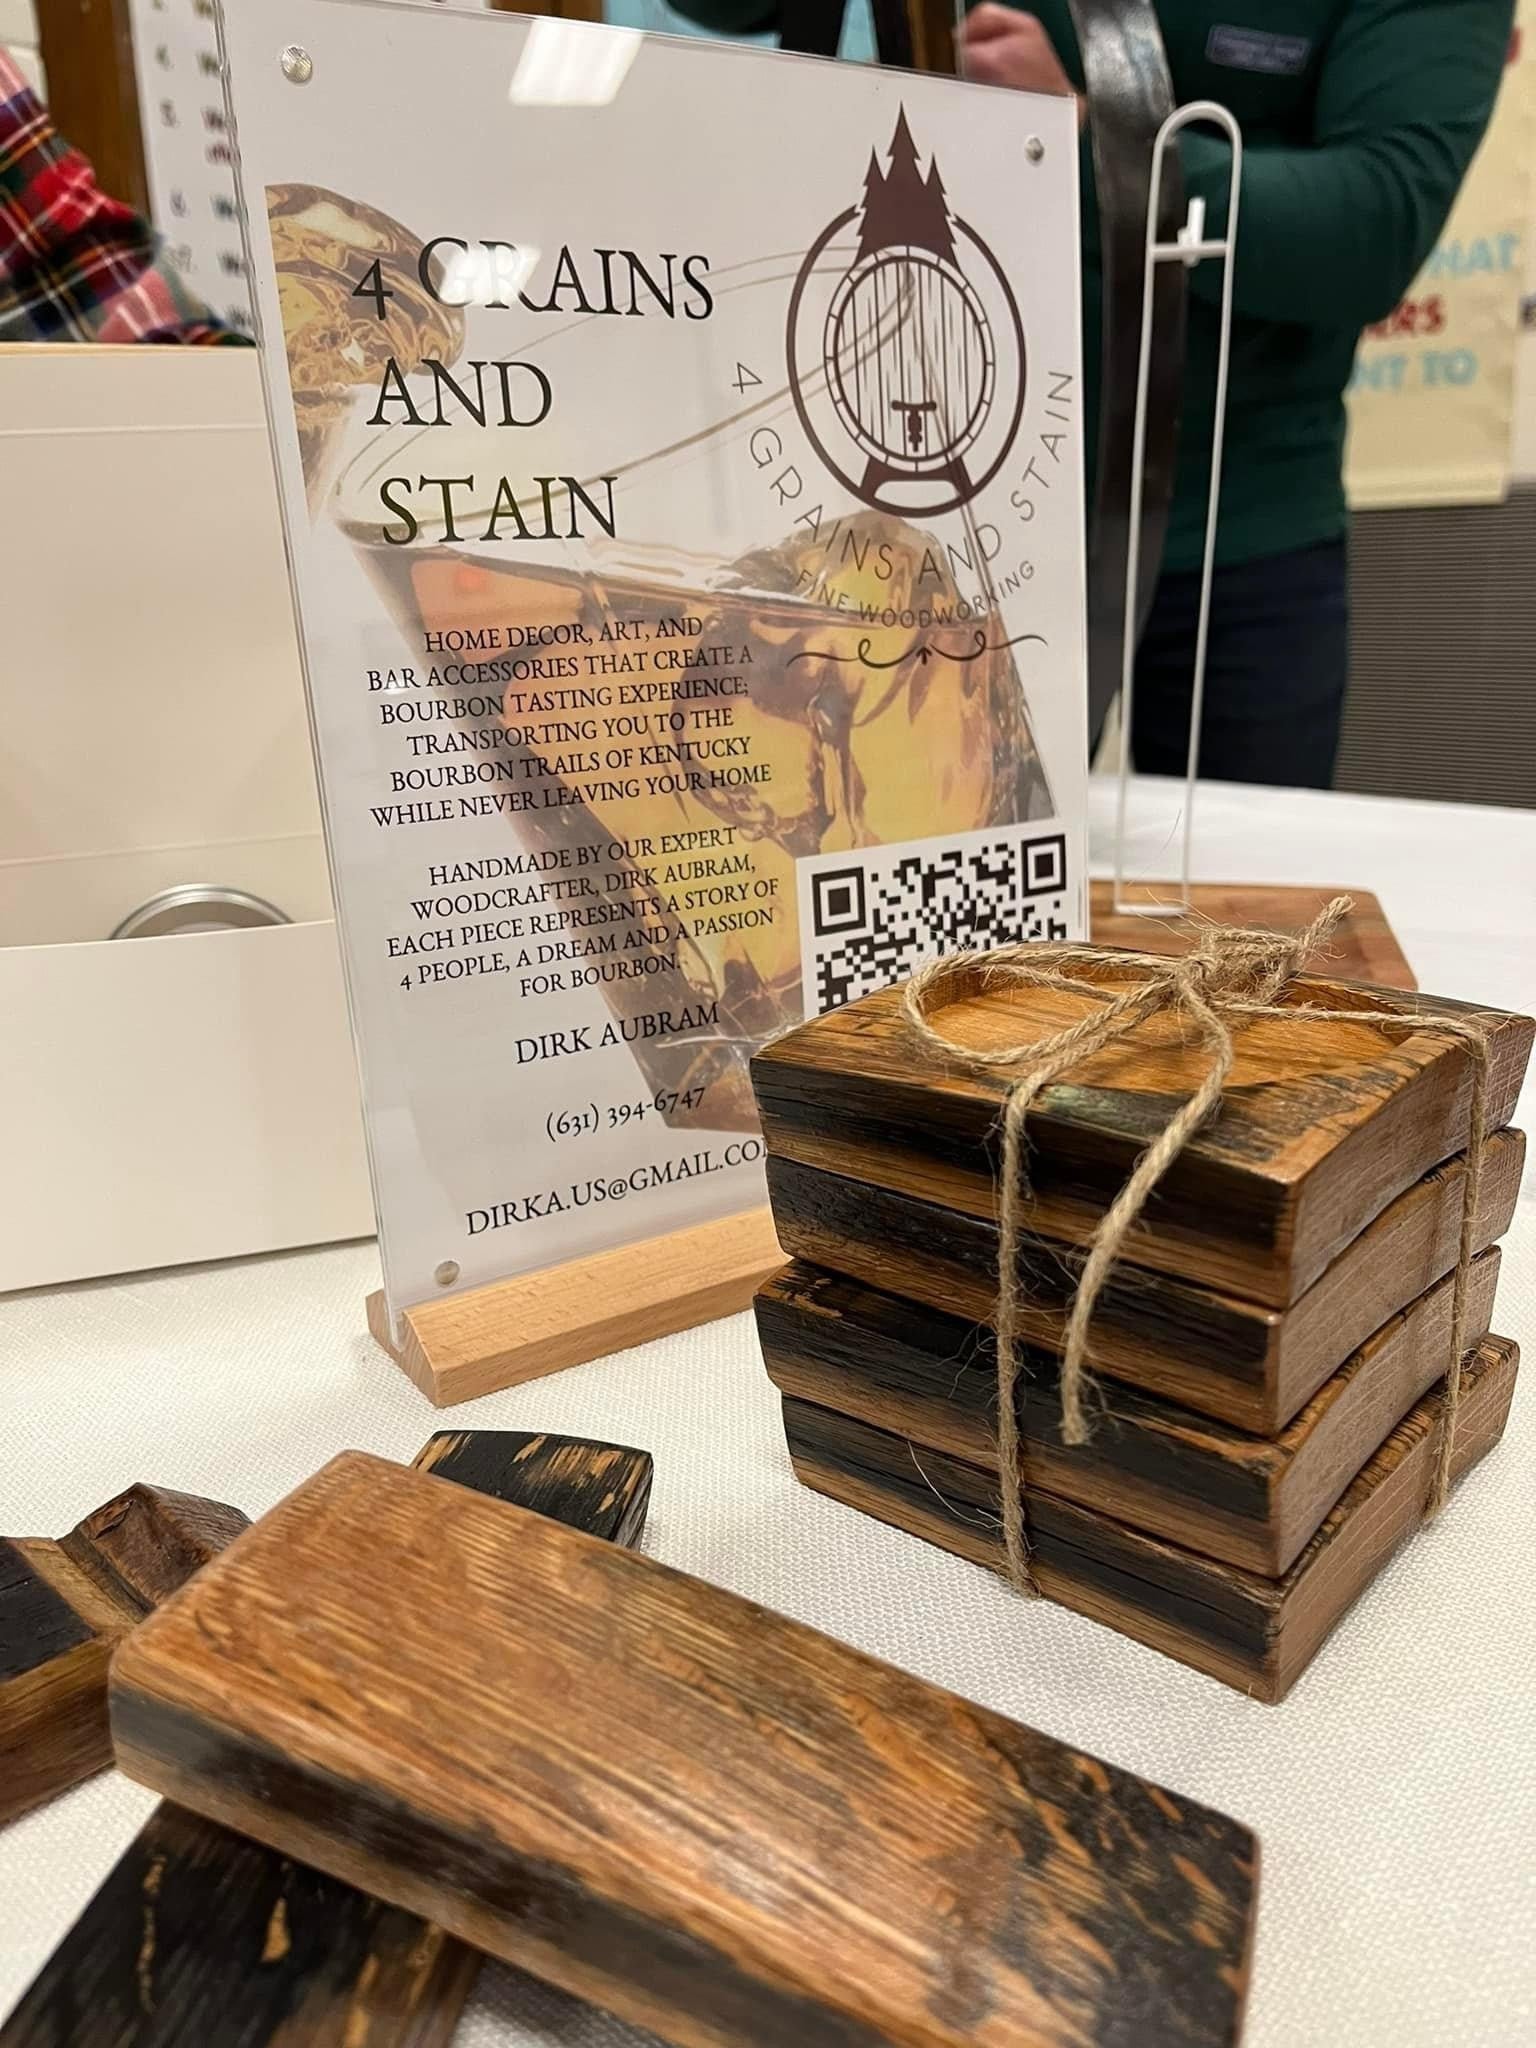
905	346
902	209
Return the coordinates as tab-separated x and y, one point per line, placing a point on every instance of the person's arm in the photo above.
76	265
1334	231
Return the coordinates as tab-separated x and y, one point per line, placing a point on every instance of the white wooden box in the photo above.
172	1099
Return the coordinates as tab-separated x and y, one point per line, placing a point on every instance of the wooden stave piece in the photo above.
53	1677
1249	1632
63	1605
602	1488
1238	1361
1260	1201
615	1871
198	1934
1247	1501
140	1547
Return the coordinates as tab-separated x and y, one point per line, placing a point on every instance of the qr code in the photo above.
872	916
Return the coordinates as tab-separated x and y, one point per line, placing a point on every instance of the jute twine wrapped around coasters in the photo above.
1232	974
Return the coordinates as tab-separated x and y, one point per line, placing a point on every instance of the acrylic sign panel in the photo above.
681	454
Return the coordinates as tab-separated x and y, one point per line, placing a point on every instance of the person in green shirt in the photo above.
1359	120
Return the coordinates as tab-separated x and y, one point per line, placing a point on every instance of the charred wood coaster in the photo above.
1255	1633
709	1818
1252	1501
1320	1127
1236	1360
63	1605
200	1938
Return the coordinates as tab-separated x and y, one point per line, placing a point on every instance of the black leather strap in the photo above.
1130	95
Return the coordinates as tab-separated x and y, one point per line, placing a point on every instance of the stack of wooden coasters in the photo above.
1269	1349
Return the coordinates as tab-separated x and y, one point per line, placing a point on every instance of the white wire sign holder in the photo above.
1190	246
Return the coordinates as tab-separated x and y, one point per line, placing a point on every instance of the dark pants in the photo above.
1277	664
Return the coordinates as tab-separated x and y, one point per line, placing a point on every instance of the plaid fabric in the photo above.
74	264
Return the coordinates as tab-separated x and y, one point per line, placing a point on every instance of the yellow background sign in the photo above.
1431	407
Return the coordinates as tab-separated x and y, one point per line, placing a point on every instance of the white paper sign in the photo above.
681	453
187	152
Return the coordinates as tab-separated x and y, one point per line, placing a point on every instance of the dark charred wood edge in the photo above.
198	1935
1180	1990
870	1119
602	1488
879	1341
868	1343
63	1606
945	1488
811	1206
200	1938
1260	1358
594	1946
37	1623
139	1547
1235	1610
862	1120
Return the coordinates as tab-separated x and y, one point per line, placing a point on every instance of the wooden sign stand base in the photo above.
535	1323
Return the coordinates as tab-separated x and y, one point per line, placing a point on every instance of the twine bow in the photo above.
1233	974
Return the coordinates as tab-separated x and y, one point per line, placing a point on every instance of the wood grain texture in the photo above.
86	48
140	1547
62	1607
1320	1127
53	1675
200	1938
602	1488
1364	948
492	1337
704	1816
1250	1501
1254	1633
1236	1360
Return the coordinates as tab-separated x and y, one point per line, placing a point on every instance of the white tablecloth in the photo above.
1394	1792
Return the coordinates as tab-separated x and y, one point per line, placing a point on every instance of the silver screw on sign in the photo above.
1034	148
446	1273
298	65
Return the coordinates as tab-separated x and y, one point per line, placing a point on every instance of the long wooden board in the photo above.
1321	1125
1245	1364
199	1938
704	1816
1254	1633
1364	948
63	1605
1251	1501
